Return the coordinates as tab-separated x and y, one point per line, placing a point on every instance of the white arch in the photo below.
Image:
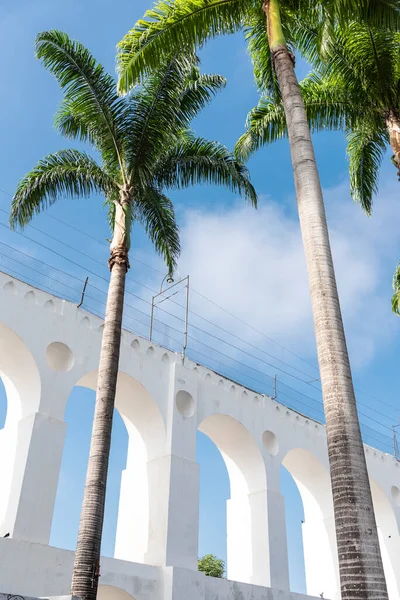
247	545
138	410
20	375
110	592
319	542
388	532
21	379
146	431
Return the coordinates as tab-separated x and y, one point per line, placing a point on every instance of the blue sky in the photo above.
249	263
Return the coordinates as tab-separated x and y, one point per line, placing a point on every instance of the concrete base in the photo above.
37	571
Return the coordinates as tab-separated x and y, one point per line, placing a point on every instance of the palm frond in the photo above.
194	160
162	108
155	116
155	212
199	89
329	103
363	58
380	13
171	28
309	38
328	106
71	126
68	173
396	290
258	47
365	149
266	123
89	91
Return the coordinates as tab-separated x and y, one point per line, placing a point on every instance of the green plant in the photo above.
211	565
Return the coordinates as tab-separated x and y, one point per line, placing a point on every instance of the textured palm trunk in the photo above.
87	556
360	563
393	127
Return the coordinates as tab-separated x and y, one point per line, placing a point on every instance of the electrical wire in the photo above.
198	316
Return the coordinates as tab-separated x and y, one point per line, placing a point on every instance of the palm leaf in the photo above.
155	116
328	104
258	47
266	123
69	125
198	91
89	92
162	108
365	149
155	212
194	160
68	173
171	28
380	13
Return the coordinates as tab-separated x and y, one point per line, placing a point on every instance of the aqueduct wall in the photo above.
47	346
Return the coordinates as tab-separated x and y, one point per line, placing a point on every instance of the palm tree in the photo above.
272	27
145	147
355	88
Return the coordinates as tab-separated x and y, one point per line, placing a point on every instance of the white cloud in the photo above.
251	263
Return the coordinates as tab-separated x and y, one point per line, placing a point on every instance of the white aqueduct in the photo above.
47	346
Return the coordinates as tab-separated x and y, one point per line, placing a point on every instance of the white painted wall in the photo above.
47	346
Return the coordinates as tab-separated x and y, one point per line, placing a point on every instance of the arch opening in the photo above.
137	438
247	546
319	542
20	397
20	376
79	419
213	497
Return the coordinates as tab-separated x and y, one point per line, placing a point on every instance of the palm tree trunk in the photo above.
87	556
360	563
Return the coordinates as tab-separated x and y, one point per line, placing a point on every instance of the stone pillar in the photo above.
159	502
173	512
247	538
174	479
256	533
158	512
239	538
8	440
277	540
34	471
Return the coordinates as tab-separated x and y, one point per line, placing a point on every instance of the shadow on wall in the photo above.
79	419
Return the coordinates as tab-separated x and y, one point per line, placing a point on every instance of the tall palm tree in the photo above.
272	28
356	88
145	147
